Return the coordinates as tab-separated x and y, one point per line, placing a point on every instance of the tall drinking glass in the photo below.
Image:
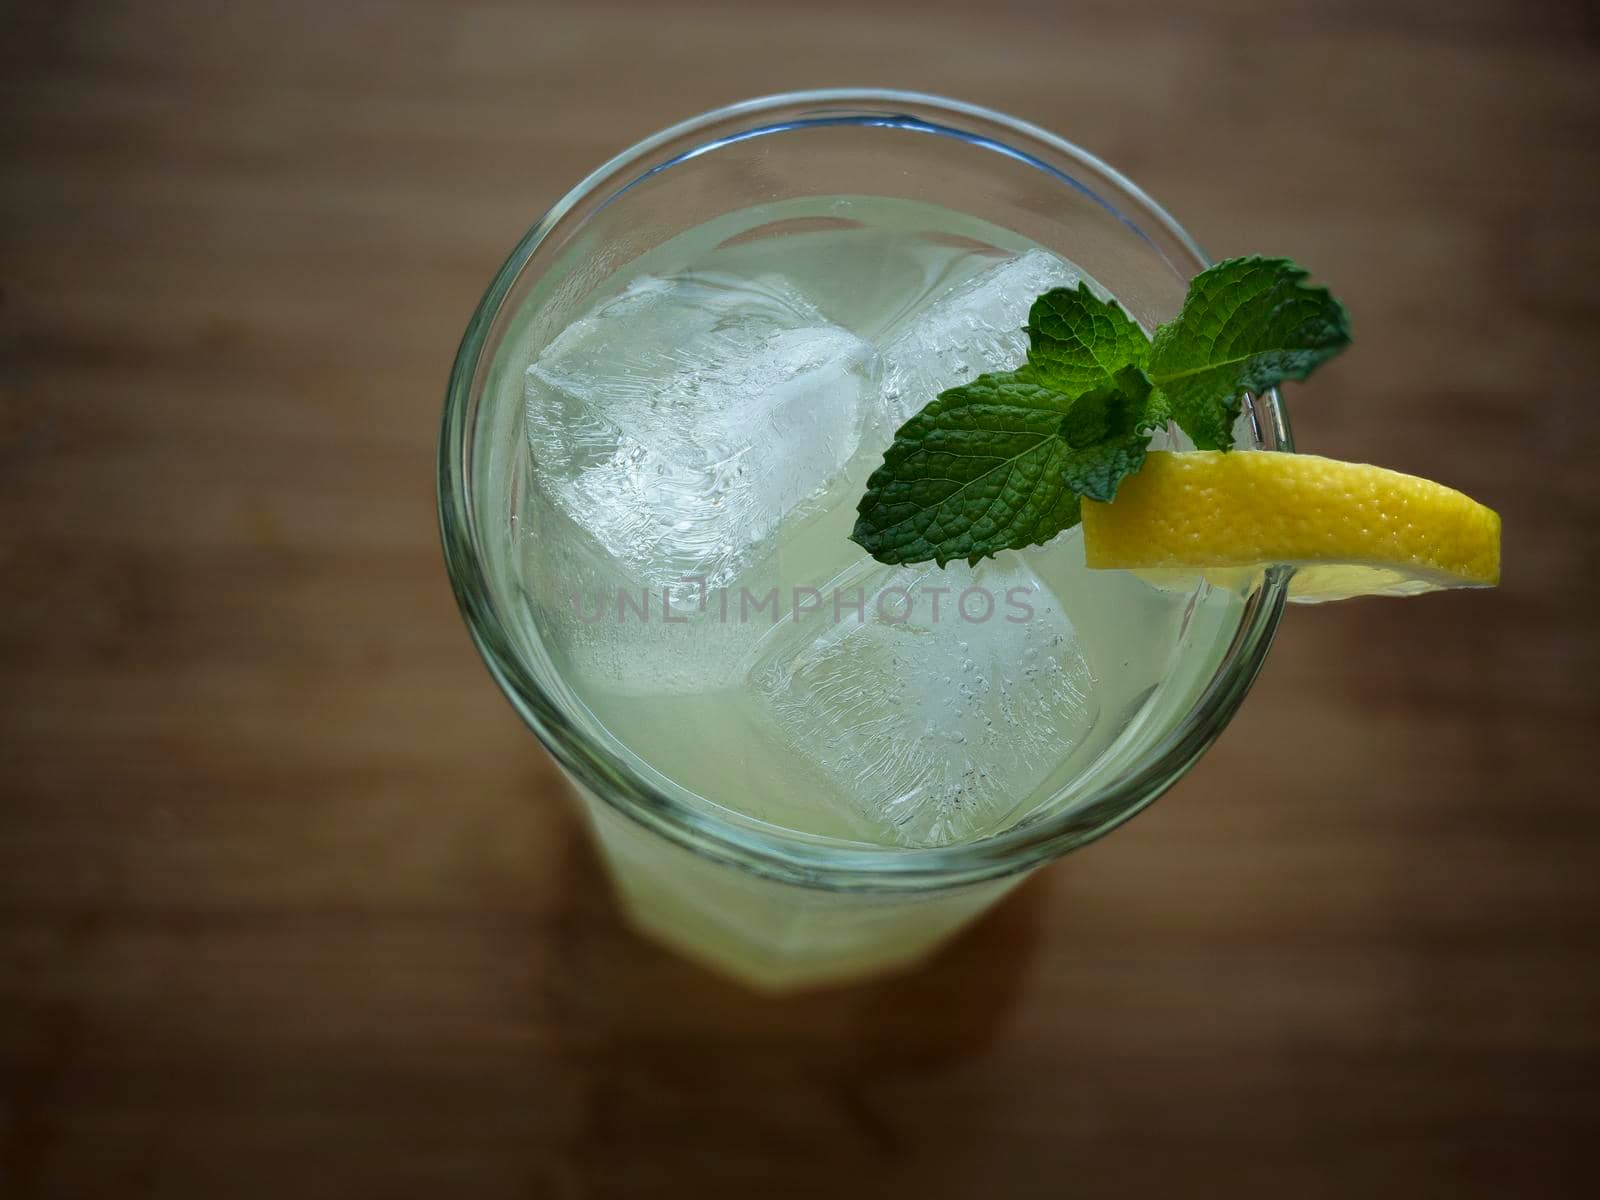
770	902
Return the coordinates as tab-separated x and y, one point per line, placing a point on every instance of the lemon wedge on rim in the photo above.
1347	529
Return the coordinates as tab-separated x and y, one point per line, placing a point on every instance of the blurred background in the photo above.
292	905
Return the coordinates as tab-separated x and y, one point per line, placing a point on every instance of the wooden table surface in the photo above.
291	904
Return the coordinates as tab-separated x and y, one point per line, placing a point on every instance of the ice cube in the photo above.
681	421
945	709
974	327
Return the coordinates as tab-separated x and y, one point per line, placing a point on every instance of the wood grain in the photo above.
291	905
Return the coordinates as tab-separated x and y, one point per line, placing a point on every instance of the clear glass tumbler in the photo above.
777	910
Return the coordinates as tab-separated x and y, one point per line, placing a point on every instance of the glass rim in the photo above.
795	859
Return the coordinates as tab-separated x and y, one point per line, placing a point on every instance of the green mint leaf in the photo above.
1096	471
1247	325
1004	461
1148	406
1120	409
1078	341
979	470
1107	432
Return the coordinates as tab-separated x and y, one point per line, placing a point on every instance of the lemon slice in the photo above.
1347	529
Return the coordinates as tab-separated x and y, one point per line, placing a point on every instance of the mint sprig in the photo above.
1004	461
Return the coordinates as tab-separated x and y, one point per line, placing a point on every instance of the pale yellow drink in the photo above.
684	481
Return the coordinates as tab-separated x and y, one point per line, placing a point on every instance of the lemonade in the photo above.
860	494
803	763
696	441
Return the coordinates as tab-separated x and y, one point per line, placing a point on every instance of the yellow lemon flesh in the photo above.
1347	529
